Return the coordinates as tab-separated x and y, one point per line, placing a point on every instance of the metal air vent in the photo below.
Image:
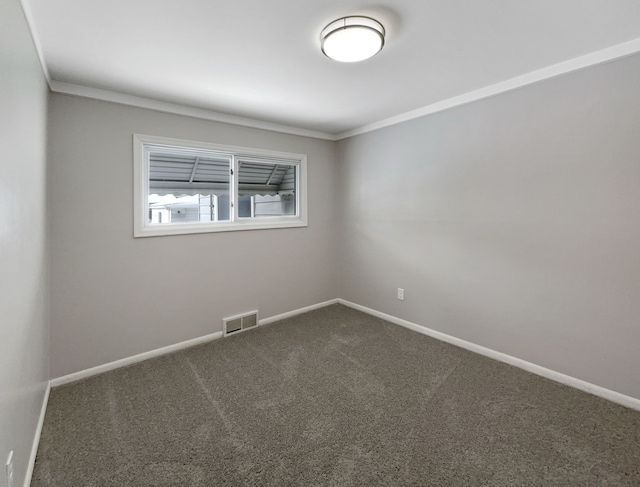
238	323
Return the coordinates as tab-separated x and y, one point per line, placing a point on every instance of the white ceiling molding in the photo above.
278	78
581	62
36	40
565	67
161	106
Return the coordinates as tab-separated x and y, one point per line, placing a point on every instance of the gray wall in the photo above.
24	258
114	296
512	222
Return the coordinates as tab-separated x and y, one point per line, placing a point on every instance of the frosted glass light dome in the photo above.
352	39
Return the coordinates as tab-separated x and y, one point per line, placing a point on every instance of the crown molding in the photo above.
26	9
592	59
588	60
174	108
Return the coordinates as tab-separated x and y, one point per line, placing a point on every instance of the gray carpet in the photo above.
333	397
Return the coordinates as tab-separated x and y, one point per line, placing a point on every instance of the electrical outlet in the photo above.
9	469
401	294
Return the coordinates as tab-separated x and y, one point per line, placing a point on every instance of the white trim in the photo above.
581	62
289	314
176	109
26	9
36	437
592	59
628	401
141	190
83	374
186	229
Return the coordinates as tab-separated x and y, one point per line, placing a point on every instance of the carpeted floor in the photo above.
333	397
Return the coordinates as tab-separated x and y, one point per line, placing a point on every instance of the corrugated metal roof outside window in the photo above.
187	172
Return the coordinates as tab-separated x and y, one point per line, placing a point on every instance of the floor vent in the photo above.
238	323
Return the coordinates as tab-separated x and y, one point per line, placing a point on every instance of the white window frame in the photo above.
141	227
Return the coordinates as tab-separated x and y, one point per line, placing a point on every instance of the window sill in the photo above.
187	228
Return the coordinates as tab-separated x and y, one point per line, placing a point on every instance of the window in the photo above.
195	187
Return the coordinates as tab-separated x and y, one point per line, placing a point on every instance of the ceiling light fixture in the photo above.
352	39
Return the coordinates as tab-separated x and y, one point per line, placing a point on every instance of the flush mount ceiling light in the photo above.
352	39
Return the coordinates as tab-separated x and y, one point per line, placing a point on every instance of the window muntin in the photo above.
192	187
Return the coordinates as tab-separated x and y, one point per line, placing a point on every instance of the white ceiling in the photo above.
261	59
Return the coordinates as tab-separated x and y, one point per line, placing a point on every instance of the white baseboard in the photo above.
36	437
83	374
289	314
628	401
582	385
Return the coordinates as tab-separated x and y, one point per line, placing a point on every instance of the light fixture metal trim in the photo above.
365	25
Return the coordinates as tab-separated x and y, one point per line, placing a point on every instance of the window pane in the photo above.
187	185
266	189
